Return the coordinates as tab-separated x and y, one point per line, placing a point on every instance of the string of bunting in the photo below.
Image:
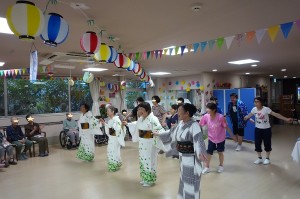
219	42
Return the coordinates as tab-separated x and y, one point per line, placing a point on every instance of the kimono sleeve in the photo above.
198	141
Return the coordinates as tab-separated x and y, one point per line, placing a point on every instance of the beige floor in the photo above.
62	176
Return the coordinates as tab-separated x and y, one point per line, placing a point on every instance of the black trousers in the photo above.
263	135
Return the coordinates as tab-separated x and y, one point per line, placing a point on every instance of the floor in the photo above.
61	175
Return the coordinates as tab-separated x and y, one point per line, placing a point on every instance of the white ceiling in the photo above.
156	24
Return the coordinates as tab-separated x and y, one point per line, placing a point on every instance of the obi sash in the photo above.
145	134
85	125
112	132
185	147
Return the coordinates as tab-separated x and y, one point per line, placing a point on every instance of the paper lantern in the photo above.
202	88
102	84
143	75
71	82
25	20
151	83
122	61
126	63
109	86
116	87
103	54
89	42
137	68
88	77
56	30
131	65
188	89
123	83
113	55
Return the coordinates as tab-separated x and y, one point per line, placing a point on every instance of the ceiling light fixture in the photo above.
285	76
214	70
2	63
247	73
283	70
4	26
244	61
160	73
64	66
271	75
94	69
253	65
294	77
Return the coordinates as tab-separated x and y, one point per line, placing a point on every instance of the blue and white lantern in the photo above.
56	30
131	66
113	55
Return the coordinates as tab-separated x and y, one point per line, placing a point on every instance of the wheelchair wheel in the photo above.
62	139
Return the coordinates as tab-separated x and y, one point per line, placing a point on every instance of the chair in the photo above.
15	146
34	143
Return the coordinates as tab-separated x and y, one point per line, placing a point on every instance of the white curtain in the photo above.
94	89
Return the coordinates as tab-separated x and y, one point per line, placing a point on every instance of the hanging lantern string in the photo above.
33	46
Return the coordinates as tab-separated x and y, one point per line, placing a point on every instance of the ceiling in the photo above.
150	25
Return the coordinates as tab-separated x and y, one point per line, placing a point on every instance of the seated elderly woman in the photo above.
33	132
6	146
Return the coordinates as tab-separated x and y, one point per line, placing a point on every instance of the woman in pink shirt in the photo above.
216	124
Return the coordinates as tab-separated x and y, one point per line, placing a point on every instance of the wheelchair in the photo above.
65	140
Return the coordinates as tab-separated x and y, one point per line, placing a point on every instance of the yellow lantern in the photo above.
202	88
25	20
103	54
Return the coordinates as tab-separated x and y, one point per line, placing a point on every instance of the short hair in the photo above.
212	106
12	119
86	106
146	106
191	108
213	98
27	116
260	99
234	95
156	98
68	113
140	99
124	110
180	99
174	106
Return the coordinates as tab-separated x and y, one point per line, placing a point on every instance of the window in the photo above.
80	93
2	108
39	97
134	90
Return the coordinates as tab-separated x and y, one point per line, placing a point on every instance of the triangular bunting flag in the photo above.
144	55
228	41
41	70
211	44
220	42
273	32
152	54
137	55
156	54
260	34
190	47
5	73
165	51
176	50
182	49
28	70
160	53
286	28
196	46
203	45
148	54
250	35
20	71
8	73
298	23
1	72
130	56
24	70
171	51
16	71
12	72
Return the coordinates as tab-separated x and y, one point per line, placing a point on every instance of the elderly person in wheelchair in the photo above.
70	127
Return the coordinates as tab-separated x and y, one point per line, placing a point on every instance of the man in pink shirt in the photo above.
216	124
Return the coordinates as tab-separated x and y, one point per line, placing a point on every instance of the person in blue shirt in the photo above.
16	136
237	110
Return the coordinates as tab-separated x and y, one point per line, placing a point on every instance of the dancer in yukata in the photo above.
149	146
191	148
88	127
116	133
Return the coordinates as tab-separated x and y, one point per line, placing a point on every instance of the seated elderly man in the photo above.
71	127
5	145
17	137
33	132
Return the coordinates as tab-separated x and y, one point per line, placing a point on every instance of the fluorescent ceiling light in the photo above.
2	63
214	70
64	66
254	65
46	62
244	61
117	75
247	73
160	73
294	77
173	52
271	75
285	76
283	70
81	60
4	26
94	69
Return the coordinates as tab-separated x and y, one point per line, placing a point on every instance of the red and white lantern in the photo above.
90	42
137	68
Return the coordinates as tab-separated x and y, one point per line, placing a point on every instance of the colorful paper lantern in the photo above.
113	55
122	61
103	54
126	63
202	88
116	87
56	30
137	68
25	20
89	43
109	86
139	73
123	83
143	75
88	77
131	65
